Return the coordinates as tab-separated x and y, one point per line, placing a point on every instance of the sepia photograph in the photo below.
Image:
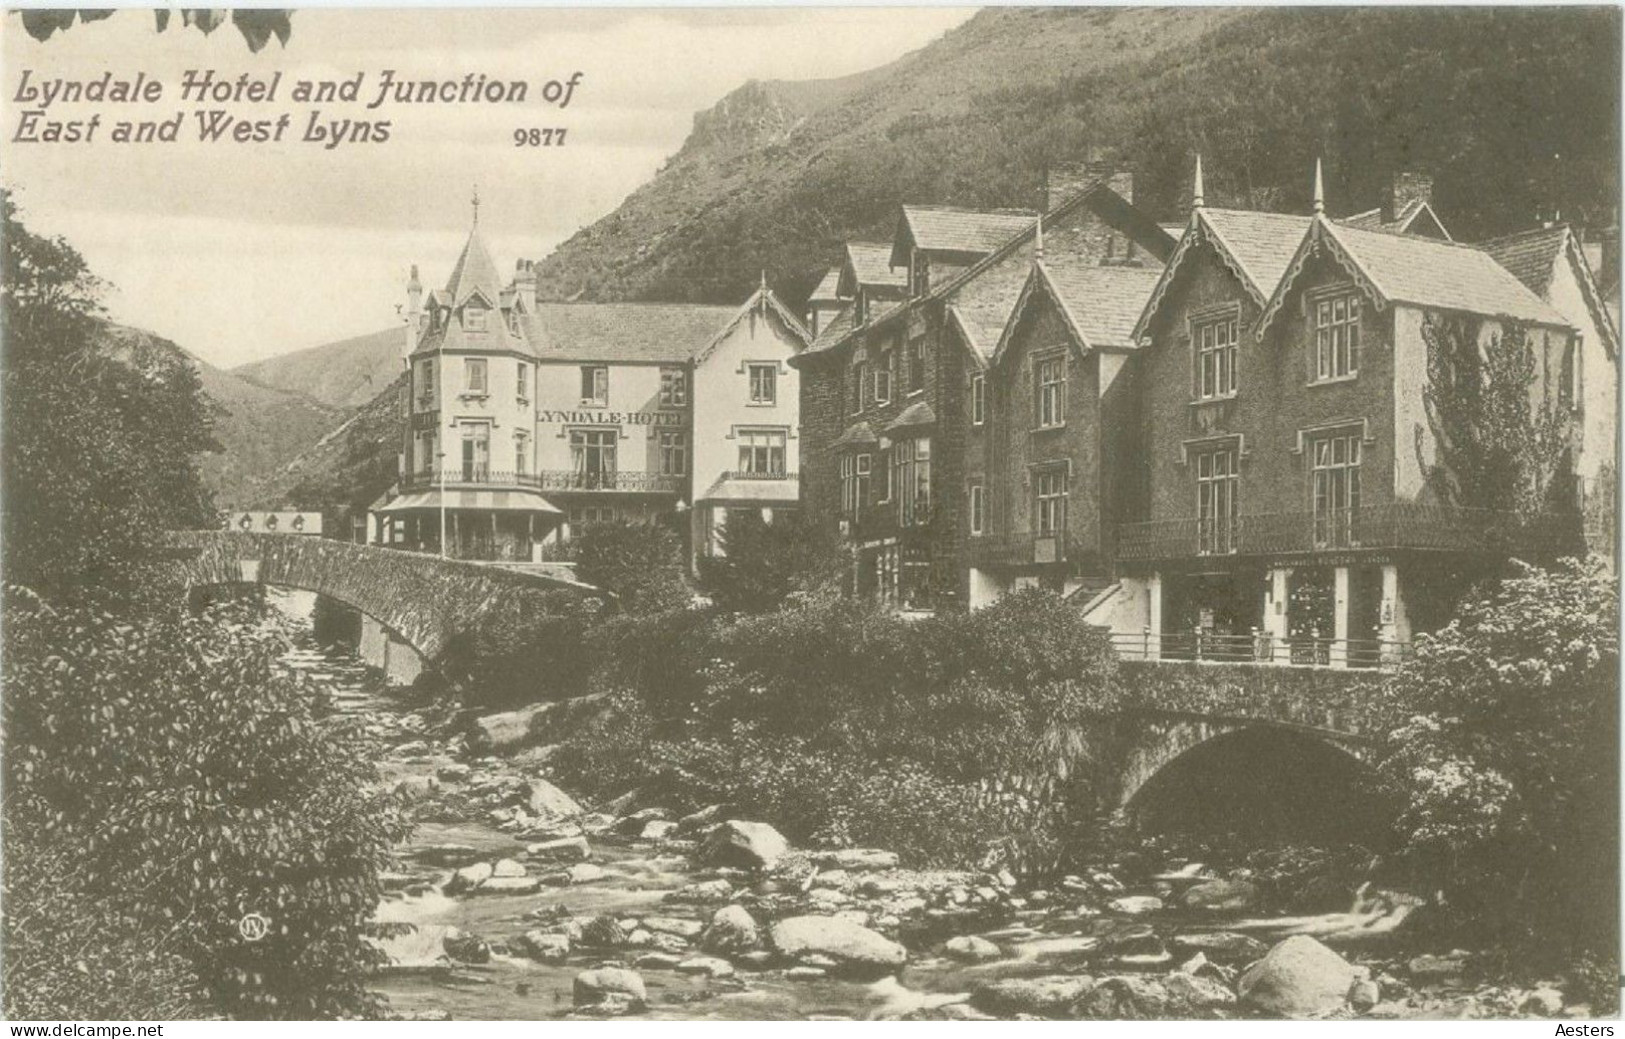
809	513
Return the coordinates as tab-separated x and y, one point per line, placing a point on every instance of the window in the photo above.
1050	376
673	454
1215	358
859	373
978	400
764	383
426	385
425	451
673	388
476	451
1335	489
474	318
523	381
883	376
587	515
761	451
884	477
1570	392
1216	485
594	385
919	273
977	510
1050	487
849	485
916	364
1337	337
592	456
521	453
861	478
912	462
474	375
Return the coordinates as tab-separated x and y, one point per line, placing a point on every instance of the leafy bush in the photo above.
185	776
763	564
534	649
1504	746
641	563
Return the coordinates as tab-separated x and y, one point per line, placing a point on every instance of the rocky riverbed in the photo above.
514	901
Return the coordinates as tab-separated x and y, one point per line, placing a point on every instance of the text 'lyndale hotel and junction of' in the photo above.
1214	437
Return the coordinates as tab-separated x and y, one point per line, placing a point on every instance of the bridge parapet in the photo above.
424	599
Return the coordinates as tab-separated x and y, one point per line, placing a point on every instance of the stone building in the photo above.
527	419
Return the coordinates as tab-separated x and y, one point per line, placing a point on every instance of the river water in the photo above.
1035	939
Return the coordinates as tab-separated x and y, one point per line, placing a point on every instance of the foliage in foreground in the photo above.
1505	748
165	777
763	563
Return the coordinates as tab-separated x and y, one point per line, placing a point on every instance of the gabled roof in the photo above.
1099	304
835	329
868	264
612	332
1532	257
764	300
828	289
1418	218
474	272
1419	271
1255	246
949	229
914	416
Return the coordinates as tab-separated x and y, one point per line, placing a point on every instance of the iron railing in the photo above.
1259	647
545	480
1020	549
747	474
1400	525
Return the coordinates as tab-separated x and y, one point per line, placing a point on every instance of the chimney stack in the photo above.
1408	186
524	283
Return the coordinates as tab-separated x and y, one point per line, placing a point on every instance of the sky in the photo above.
243	251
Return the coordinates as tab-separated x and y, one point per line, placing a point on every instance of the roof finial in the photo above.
1038	242
1197	201
764	279
476	205
1320	189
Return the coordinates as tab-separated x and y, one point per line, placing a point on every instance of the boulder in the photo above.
466	948
710	966
549	803
468	878
1220	895
1429	968
1050	995
856	860
632	825
542	946
585	873
682	927
609	985
1134	905
853	948
1221	946
423	948
657	961
718	890
456	772
1364	994
1543	1002
702	820
745	845
971	949
1298	978
509	886
508	730
447	855
509	868
658	829
604	932
732	930
565	849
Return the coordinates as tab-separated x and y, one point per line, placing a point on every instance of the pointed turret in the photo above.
1320	190
475	271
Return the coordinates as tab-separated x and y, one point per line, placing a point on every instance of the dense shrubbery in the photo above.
765	563
535	649
641	563
1505	750
839	723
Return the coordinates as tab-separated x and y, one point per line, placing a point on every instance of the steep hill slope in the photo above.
349	467
260	429
777	174
345	374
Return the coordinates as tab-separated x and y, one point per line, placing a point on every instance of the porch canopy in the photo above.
752	490
473	500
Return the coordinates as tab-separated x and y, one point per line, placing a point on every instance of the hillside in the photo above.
349	467
345	374
778	174
260	429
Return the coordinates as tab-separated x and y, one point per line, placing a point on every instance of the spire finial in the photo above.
1197	201
476	205
1038	242
1320	189
764	279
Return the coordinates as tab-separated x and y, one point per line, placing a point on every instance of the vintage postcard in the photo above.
810	513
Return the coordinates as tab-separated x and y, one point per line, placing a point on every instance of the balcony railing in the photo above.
748	474
1021	549
1259	647
1428	527
545	480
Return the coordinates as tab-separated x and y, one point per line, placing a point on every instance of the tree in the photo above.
641	563
1497	447
764	563
257	26
101	434
1504	746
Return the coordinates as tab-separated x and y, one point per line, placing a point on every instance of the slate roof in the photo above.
1262	244
613	332
1530	256
914	416
827	290
856	435
870	263
835	329
948	229
1103	302
1432	273
983	305
474	271
735	489
1371	219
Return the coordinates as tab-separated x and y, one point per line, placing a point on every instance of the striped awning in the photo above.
473	500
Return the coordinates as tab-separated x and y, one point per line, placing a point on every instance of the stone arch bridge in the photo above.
421	601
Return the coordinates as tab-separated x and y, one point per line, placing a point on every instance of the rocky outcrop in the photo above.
610	987
1043	996
1298	978
849	947
732	930
743	845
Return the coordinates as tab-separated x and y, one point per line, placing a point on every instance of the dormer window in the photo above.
474	375
474	318
513	321
919	274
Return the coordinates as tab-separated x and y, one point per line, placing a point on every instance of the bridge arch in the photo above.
423	601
